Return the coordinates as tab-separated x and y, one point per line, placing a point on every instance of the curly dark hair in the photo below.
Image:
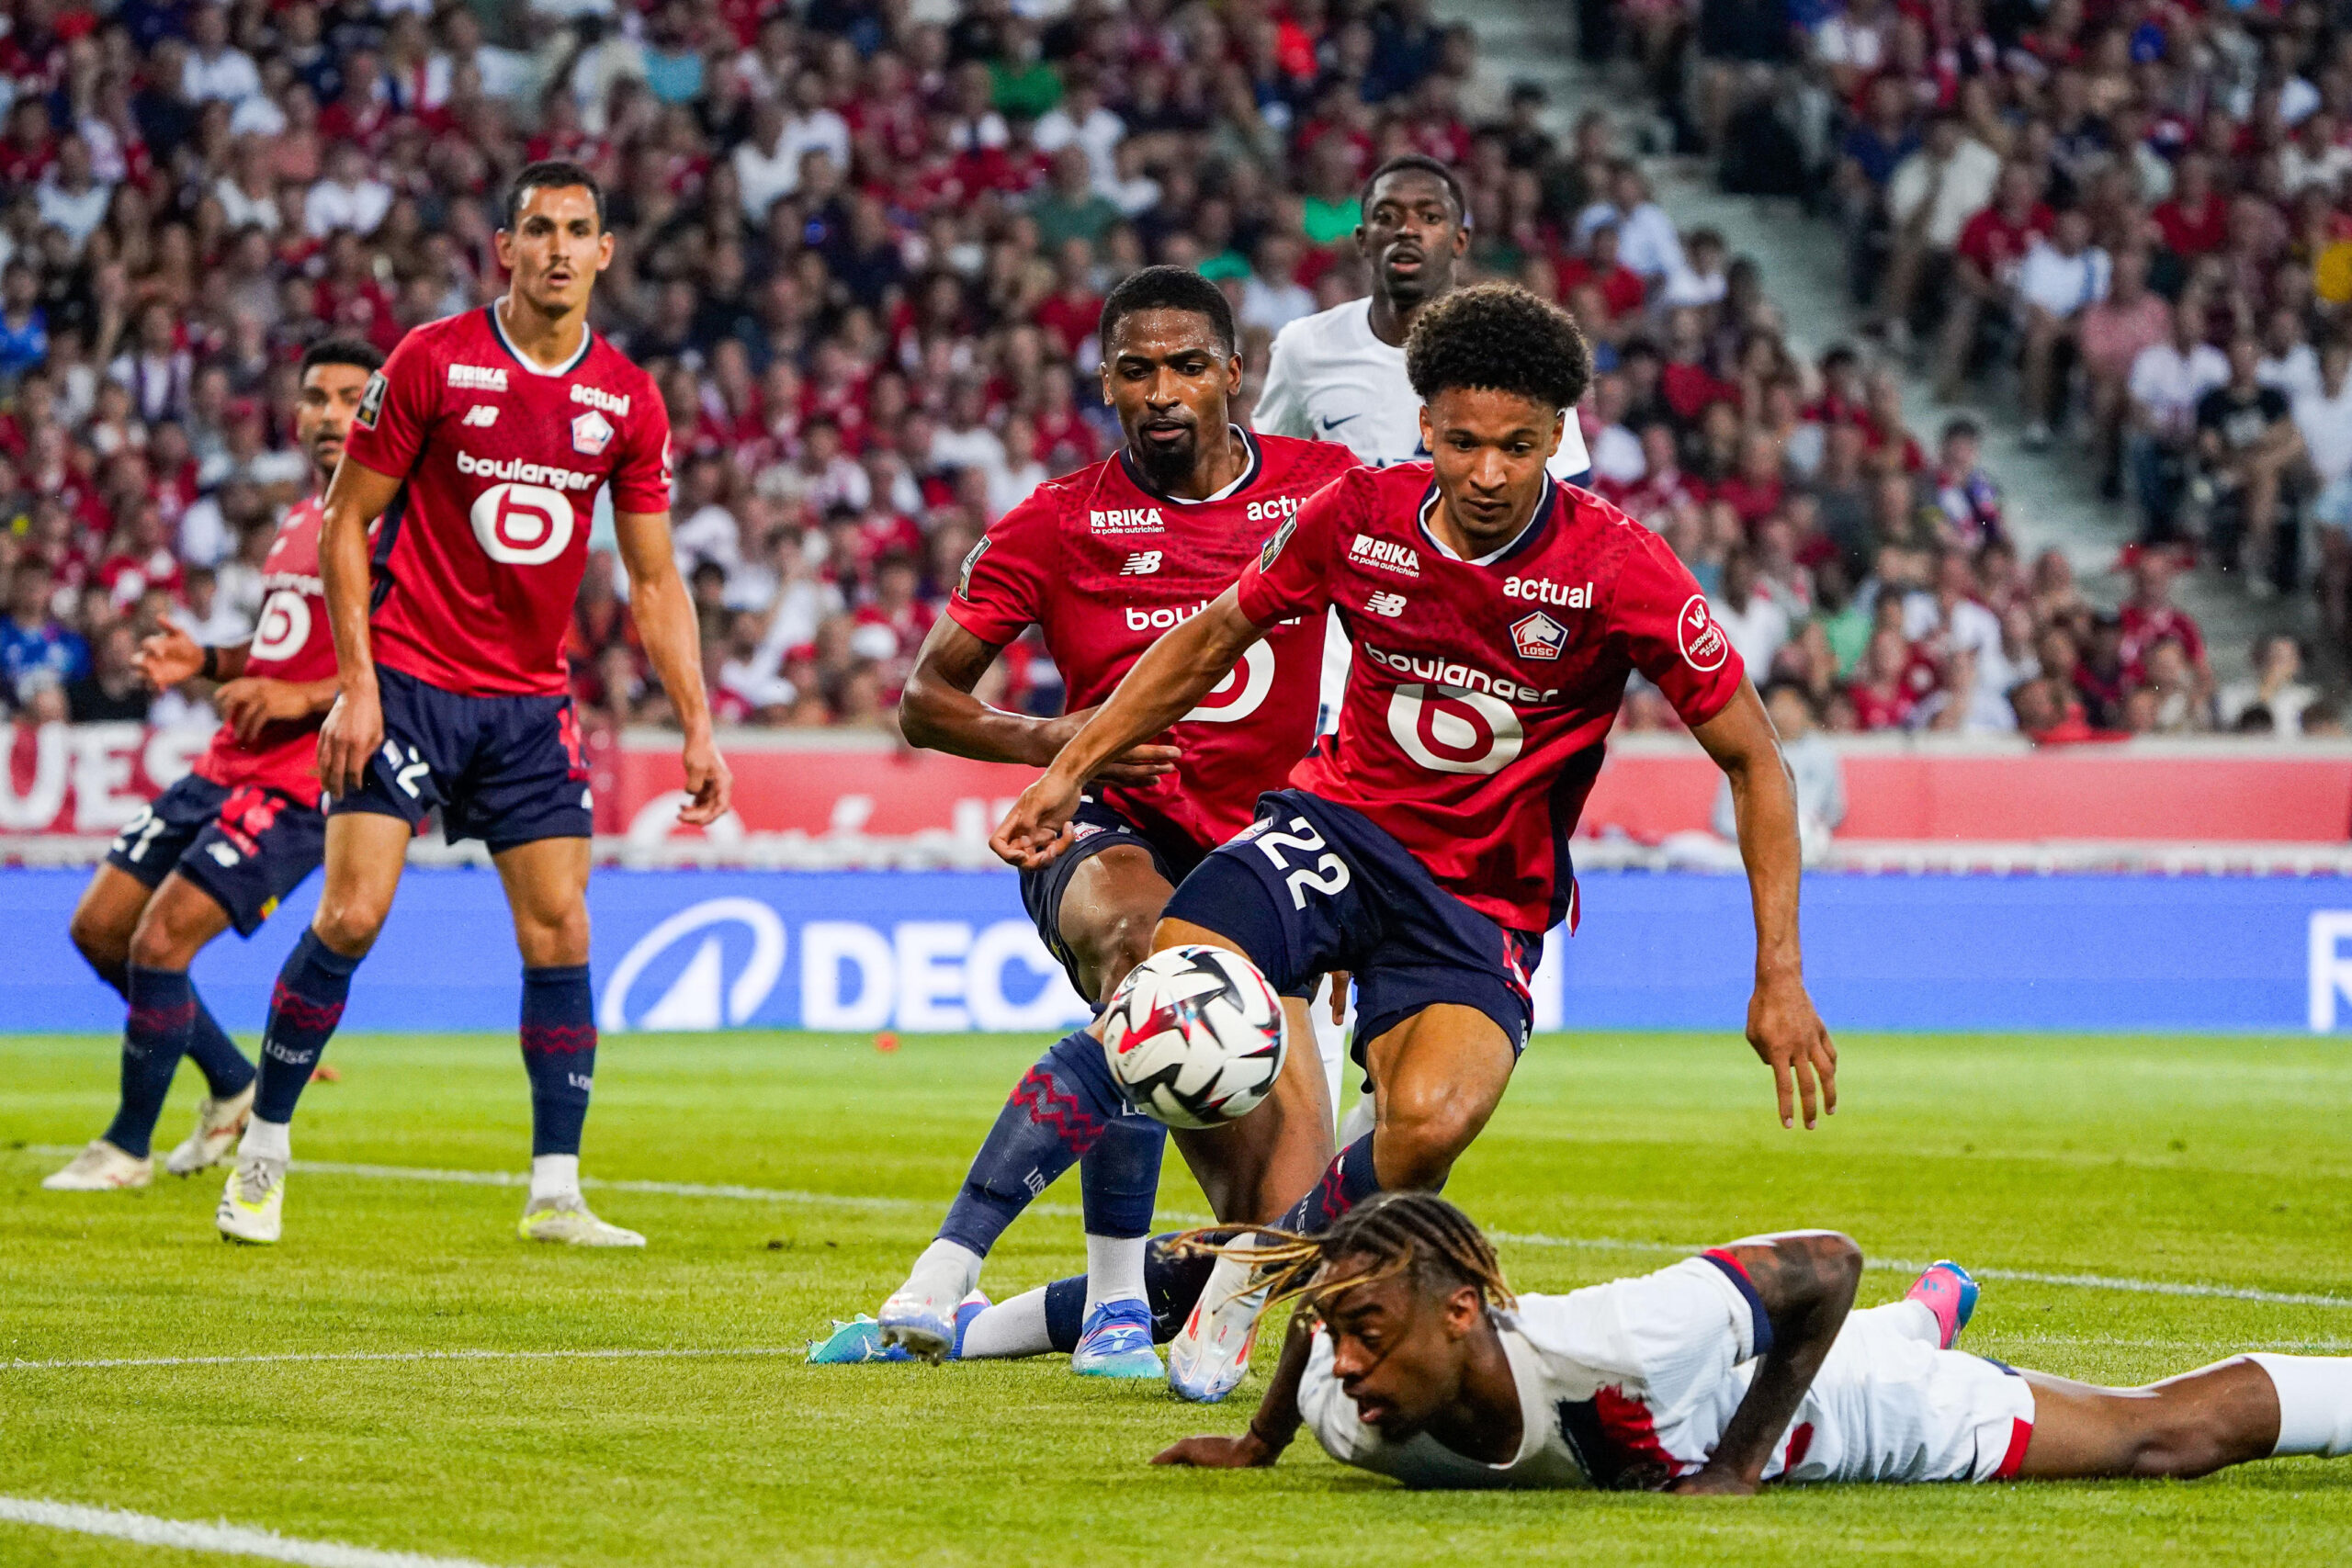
1497	337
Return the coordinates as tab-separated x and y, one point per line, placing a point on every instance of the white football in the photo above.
1195	1036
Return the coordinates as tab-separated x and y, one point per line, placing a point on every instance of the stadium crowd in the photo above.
2140	208
863	246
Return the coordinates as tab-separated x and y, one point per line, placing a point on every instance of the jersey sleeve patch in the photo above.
371	401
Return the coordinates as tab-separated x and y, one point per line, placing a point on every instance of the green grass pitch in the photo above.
2209	1162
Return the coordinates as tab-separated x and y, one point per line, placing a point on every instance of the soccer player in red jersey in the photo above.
481	447
222	846
1103	561
1497	617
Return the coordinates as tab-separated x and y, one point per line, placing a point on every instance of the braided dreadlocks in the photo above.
1415	1233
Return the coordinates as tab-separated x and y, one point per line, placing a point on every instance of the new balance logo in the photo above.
1143	563
480	416
1389	604
1386	554
478	377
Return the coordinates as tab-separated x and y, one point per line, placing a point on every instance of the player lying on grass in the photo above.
1102	560
222	846
1744	1365
455	536
1497	617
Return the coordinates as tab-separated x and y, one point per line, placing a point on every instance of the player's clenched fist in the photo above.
709	780
353	729
1038	828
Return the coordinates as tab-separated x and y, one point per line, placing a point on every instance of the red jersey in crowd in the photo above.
480	555
1102	564
1996	245
2144	627
291	642
1481	691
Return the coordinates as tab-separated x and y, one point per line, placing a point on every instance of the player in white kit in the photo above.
1340	375
1742	1366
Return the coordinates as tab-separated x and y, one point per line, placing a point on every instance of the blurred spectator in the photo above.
111	690
2276	688
1820	777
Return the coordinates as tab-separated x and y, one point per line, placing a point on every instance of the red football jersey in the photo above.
292	642
1481	691
479	556
1103	565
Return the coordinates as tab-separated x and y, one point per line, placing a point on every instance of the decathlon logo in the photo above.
700	995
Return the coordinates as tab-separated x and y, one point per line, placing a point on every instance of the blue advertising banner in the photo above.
950	951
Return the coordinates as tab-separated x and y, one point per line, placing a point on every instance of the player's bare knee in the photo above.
105	945
1125	941
348	926
1418	1141
155	946
554	940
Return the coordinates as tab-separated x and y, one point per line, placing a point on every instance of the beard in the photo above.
1168	466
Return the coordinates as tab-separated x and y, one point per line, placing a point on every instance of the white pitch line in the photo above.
1592	1243
235	1541
613	1354
2023	1276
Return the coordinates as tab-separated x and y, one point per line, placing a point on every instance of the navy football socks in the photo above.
559	1052
1350	1180
226	1071
1061	1111
303	1011
154	1038
1119	1178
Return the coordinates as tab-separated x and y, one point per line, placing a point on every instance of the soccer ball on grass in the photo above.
1195	1036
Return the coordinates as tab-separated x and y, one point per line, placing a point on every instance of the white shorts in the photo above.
1890	1406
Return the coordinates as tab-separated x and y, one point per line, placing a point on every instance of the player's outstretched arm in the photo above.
166	658
1271	1429
1806	1284
354	726
665	620
1165	684
939	713
1783	1025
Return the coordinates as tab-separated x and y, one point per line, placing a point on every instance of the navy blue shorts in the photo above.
245	846
508	771
1100	826
1311	886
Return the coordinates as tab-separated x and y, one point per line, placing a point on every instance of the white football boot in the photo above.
1211	1357
219	1124
253	1203
101	1168
920	1316
566	1220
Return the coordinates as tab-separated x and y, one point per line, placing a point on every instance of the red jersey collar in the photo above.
1256	465
498	330
1525	540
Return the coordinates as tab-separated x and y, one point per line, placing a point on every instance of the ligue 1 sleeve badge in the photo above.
591	433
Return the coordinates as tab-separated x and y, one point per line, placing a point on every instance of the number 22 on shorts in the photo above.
1303	837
